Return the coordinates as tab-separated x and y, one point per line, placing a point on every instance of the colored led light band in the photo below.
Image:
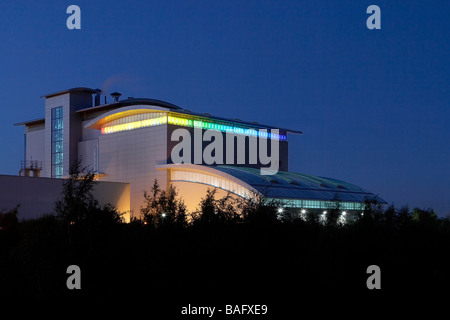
203	124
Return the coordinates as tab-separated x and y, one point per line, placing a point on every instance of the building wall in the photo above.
77	101
283	164
132	156
89	134
34	150
88	153
37	196
193	193
72	126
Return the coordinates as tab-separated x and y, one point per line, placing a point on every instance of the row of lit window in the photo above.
158	118
133	125
57	170
320	204
209	125
135	117
57	113
230	186
57	139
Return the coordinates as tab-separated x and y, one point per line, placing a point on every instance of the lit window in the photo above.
57	142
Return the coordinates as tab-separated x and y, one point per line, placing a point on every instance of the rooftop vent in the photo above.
98	92
115	96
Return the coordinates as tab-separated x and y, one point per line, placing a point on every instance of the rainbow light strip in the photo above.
209	125
206	125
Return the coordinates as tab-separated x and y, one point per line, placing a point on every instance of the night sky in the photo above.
373	104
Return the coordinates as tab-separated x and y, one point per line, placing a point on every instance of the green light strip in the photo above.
209	125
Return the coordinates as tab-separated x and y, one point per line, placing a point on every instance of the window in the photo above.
319	204
134	122
57	142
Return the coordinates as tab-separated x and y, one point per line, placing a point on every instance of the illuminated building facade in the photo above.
129	141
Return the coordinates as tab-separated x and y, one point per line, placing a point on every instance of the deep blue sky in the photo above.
373	104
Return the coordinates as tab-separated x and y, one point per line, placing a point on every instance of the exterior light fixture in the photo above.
280	210
303	211
163	215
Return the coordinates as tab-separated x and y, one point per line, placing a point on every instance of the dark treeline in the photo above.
231	251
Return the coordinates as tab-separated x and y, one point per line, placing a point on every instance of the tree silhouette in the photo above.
163	207
247	243
78	208
77	198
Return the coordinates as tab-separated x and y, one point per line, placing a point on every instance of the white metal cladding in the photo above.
208	179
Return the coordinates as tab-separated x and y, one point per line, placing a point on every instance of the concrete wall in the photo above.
78	100
132	156
88	152
192	193
37	196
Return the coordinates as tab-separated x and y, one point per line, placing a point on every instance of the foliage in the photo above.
77	198
163	207
78	210
256	245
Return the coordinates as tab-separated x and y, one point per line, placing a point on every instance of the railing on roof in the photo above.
30	168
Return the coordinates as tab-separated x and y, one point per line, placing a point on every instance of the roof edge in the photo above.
73	90
30	122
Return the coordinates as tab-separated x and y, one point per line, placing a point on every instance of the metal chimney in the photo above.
115	96
98	92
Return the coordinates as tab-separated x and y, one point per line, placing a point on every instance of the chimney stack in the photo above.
115	96
98	92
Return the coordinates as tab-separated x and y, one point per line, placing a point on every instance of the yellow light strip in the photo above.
134	125
206	125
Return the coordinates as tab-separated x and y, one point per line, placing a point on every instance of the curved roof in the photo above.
73	90
114	114
291	185
154	104
287	185
133	102
209	170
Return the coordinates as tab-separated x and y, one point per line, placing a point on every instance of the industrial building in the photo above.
131	141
